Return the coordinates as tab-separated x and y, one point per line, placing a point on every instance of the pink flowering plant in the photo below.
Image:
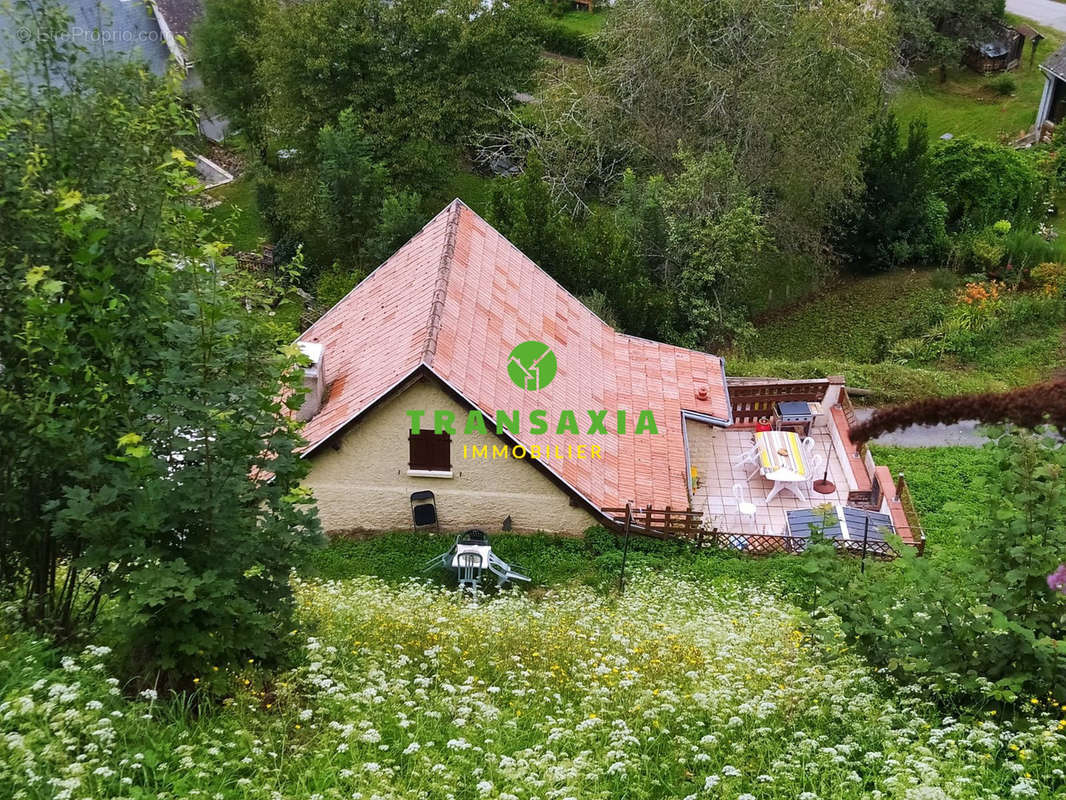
1056	581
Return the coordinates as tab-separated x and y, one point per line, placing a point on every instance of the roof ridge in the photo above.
440	288
537	266
358	286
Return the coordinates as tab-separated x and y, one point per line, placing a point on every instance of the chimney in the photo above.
314	380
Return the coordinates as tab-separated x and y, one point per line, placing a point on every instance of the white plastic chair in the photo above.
743	498
814	470
750	458
469	566
808	445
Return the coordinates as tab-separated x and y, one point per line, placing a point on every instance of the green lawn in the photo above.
938	476
583	21
553	561
966	103
853	321
849	330
238	214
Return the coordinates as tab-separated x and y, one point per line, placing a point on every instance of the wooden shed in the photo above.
1003	51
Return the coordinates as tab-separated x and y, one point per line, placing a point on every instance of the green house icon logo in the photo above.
532	365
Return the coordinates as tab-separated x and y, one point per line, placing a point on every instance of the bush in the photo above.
1050	278
1027	249
334	283
981	182
1004	84
944	280
989	250
987	623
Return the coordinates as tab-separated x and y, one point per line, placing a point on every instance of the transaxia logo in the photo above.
532	365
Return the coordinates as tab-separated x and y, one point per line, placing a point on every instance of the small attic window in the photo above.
430	452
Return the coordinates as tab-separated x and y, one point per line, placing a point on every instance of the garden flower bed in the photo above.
675	690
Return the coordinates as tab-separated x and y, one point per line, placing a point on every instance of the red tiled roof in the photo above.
456	299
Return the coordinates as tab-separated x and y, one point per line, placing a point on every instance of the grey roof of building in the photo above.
1055	64
106	28
180	15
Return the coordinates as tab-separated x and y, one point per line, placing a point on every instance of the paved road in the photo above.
103	27
1046	12
961	433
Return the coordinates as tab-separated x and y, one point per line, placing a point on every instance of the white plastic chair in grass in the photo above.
469	566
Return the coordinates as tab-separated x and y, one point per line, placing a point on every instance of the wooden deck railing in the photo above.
917	534
752	399
848	407
660	523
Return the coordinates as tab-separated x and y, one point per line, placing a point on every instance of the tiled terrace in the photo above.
713	452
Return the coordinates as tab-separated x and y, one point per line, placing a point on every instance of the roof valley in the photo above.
440	289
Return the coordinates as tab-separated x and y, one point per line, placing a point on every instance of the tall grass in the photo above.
674	690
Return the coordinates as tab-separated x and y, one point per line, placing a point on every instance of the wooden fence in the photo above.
660	523
917	535
757	399
257	262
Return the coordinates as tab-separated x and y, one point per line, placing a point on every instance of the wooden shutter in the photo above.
430	451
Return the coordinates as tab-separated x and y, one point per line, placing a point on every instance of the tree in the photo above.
710	74
200	516
524	210
81	201
670	260
224	46
146	459
338	203
412	70
936	31
716	234
898	219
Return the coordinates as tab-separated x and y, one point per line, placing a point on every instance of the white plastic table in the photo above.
782	460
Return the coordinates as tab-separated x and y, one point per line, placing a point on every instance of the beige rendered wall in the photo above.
365	486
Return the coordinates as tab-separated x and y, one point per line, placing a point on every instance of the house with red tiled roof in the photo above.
461	368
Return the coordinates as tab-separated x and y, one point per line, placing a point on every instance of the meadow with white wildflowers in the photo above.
674	690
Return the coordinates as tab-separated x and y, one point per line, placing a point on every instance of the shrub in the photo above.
1027	249
334	283
944	280
981	182
557	38
1050	277
989	250
986	623
1004	84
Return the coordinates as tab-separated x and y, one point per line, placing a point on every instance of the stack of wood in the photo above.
1047	130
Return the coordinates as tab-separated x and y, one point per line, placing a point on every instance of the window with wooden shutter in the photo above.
430	451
